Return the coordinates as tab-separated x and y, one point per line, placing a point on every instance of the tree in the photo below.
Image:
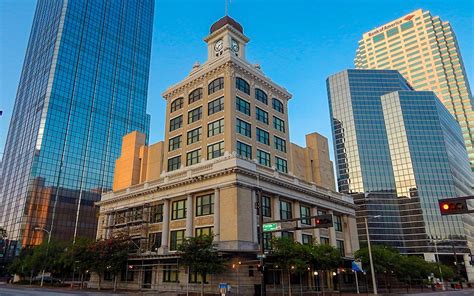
78	257
199	254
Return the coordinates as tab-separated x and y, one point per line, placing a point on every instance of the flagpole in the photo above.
357	281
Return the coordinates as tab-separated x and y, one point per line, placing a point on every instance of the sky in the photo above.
297	43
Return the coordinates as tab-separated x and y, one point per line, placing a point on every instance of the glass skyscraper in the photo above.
83	86
425	51
398	151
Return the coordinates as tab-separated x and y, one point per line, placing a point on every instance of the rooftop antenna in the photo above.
227	7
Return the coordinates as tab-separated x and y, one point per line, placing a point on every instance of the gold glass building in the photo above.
423	48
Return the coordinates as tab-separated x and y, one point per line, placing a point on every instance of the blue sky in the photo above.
297	43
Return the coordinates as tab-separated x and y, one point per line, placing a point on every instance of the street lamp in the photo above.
47	248
374	283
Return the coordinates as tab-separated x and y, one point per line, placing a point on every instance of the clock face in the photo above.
235	46
218	45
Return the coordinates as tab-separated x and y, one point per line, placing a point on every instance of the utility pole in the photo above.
374	283
261	240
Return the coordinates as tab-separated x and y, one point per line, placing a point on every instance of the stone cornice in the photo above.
227	28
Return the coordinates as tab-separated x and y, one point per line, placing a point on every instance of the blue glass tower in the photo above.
83	86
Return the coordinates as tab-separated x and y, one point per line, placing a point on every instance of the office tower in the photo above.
83	86
399	151
226	142
423	48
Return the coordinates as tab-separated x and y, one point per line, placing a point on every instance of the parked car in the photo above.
46	279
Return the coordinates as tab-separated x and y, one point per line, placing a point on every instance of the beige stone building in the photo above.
226	137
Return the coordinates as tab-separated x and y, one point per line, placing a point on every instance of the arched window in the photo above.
261	96
215	85
277	105
242	85
177	104
195	95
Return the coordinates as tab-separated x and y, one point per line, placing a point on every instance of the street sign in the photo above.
261	256
271	227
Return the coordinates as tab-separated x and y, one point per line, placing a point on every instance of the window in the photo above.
215	150
193	157
194	135
306	239
174	143
243	106
406	26
195	277
261	96
281	164
392	32
215	128
195	95
324	240
177	238
287	234
215	106
305	212
194	115
263	158
280	144
177	104
337	223
156	213
108	276
285	210
244	150
126	275
135	214
178	209
174	163
176	123
205	205
267	206
242	85
322	212
278	124
378	37
277	105
204	231
263	136
340	247
244	128
154	240
267	240
170	273
261	115
215	85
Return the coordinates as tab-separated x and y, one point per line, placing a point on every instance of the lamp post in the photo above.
374	283
47	249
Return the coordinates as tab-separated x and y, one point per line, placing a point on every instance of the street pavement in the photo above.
9	290
463	292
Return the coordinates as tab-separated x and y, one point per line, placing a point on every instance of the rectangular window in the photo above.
215	150
154	241
406	26
205	205
156	213
281	165
176	123
306	239
215	106
392	32
287	234
267	240
244	150
194	135
263	158
266	206
193	157
277	105
204	231
215	128
378	37
340	247
324	240
177	238
305	212
244	128
261	115
278	124
170	273
174	143
178	209
285	210
174	163
196	278
263	136
243	106
194	115
280	144
337	223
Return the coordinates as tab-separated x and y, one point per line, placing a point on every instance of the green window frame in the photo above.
280	144
286	210
244	150
203	231
278	124
174	163
215	128
176	123
264	158
177	104
215	106
194	135
267	206
177	238
261	115
278	105
281	164
193	157
215	85
195	95
242	85
178	209
244	128
205	205
261	96
194	115
263	136
305	211
242	106
174	143
215	150
156	213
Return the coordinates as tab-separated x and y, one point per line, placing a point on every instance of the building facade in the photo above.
226	139
399	151
83	86
423	48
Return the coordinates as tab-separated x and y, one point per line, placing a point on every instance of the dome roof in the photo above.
226	20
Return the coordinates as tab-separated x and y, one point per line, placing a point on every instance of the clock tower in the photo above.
226	35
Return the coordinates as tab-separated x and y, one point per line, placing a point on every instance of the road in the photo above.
8	290
446	293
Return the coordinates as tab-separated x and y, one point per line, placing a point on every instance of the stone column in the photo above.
316	232
217	215
276	212
189	216
297	212
255	217
332	232
347	236
165	230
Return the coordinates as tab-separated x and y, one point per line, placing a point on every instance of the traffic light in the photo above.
453	206
323	221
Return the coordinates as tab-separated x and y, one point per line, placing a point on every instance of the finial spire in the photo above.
226	7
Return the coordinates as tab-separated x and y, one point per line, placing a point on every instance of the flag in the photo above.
357	266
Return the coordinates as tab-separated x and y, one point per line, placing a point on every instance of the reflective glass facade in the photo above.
83	86
398	151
